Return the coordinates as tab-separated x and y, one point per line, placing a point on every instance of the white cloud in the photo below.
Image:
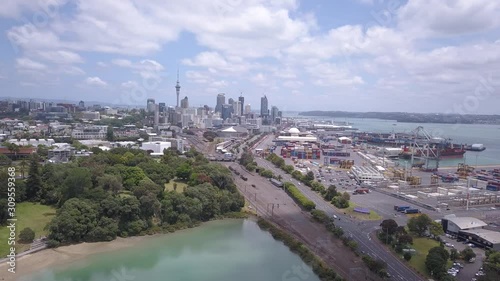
59	57
95	81
130	84
28	64
446	18
327	74
39	9
147	69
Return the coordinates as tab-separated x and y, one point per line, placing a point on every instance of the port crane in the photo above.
421	149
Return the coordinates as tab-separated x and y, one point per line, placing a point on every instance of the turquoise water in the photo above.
219	251
489	135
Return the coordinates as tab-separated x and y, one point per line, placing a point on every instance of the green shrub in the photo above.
296	195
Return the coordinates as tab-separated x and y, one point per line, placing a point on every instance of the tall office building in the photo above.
221	99
237	108
185	102
248	109
274	113
157	115
81	105
150	105
226	111
163	107
264	107
241	99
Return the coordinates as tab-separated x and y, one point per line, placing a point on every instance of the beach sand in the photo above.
32	263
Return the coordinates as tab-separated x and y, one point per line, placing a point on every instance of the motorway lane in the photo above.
396	268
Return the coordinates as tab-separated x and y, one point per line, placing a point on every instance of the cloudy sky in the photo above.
354	55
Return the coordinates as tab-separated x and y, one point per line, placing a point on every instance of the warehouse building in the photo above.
482	237
453	224
362	174
471	230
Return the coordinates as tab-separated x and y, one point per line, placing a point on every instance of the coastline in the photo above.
65	255
36	262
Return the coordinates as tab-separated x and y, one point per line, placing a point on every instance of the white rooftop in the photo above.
488	235
466	222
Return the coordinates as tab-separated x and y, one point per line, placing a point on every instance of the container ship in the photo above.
448	151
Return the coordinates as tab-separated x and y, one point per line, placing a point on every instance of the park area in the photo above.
32	215
372	215
175	185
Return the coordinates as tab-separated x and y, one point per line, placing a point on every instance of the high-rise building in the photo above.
237	108
157	115
185	102
226	111
81	105
264	107
163	107
177	88
221	99
241	99
151	105
274	113
248	109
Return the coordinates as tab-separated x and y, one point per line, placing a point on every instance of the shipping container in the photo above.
401	208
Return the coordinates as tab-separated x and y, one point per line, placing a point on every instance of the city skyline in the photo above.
370	55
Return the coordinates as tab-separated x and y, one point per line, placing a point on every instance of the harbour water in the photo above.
220	251
488	135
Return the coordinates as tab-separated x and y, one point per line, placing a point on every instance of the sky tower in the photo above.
177	88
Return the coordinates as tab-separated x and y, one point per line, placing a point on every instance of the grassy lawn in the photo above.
31	215
422	246
180	186
372	216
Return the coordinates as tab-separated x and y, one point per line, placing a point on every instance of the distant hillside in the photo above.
405	117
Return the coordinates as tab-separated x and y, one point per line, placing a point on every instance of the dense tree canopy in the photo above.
419	224
121	193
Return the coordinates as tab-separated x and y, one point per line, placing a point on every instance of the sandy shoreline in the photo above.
32	263
64	255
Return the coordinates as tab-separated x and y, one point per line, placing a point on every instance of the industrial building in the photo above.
294	135
453	224
472	230
362	173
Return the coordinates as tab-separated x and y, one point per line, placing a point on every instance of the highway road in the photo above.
274	204
361	232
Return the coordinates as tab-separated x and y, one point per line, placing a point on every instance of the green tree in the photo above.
436	261
407	256
73	221
330	193
389	226
436	229
184	171
110	136
454	255
76	183
309	176
111	183
419	224
34	182
27	235
4	160
467	254
346	196
42	151
4	214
